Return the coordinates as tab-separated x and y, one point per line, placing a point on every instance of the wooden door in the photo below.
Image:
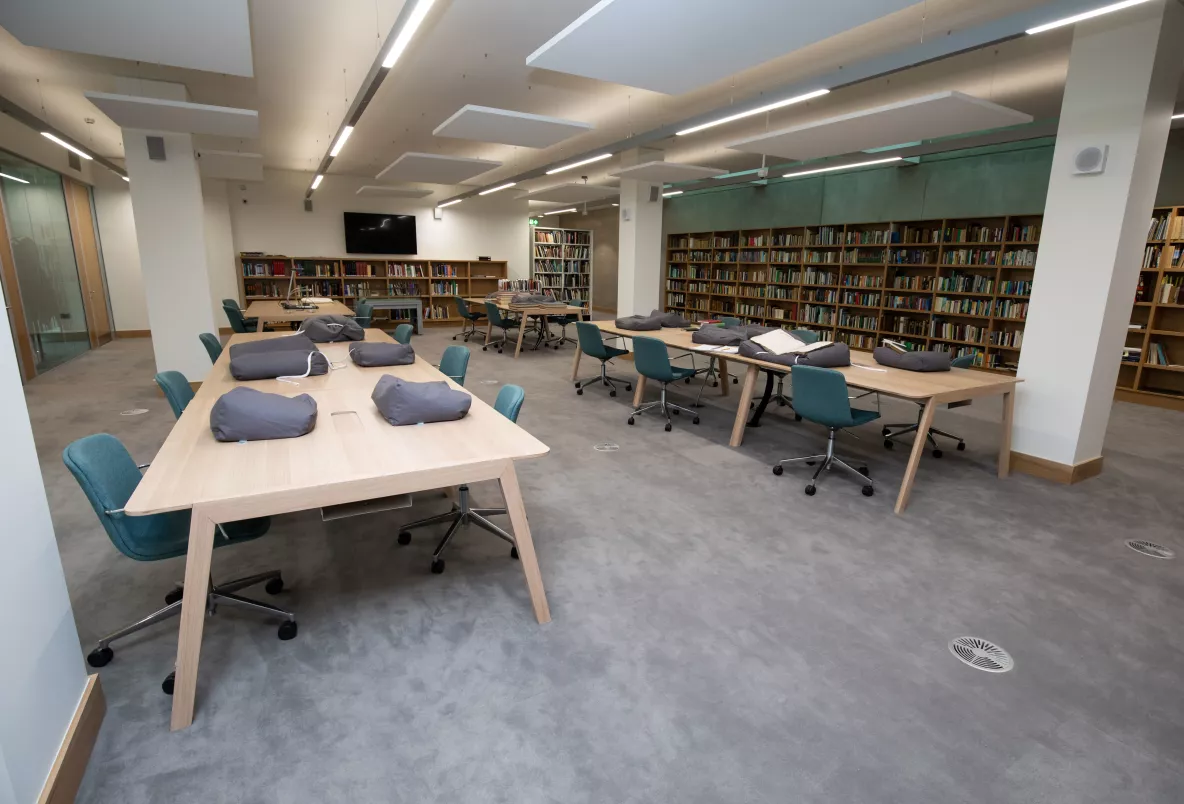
14	309
90	270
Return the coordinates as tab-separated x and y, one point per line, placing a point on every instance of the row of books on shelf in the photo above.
561	236
838	236
561	266
1165	227
1157	355
561	252
564	280
958	283
1015	257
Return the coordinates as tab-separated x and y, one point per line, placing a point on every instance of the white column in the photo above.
639	253
170	232
1124	69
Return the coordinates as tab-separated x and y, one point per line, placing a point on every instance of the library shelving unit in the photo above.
434	282
561	261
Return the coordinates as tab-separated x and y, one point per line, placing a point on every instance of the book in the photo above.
781	342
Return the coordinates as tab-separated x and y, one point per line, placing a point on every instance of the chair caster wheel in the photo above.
166	686
454	337
173	596
437	566
404	537
810	490
889	444
885	431
499	351
811	463
735	381
868	491
274	586
715	384
628	387
514	553
484	348
99	657
778	469
631	420
695	420
797	417
287	630
612	393
961	446
937	453
579	392
687	381
668	427
675	411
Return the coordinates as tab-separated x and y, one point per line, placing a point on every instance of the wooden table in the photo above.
351	455
930	389
525	310
274	311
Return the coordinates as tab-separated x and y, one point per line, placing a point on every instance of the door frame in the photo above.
12	300
74	190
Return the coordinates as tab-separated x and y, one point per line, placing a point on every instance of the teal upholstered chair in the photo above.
564	321
403	333
108	476
805	336
509	404
652	361
894	431
503	322
731	322
820	396
234	314
455	363
363	313
177	390
212	344
592	343
471	317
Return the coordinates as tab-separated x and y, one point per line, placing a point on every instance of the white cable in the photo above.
291	378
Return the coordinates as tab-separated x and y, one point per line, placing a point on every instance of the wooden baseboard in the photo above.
133	333
1152	399
1056	472
66	774
605	309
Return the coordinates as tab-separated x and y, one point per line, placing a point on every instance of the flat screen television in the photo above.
371	233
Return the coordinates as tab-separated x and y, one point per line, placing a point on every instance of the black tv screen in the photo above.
370	233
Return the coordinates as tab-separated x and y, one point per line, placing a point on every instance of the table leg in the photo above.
755	421
530	565
259	324
638	391
521	335
742	406
193	617
575	364
919	441
1005	436
488	331
725	379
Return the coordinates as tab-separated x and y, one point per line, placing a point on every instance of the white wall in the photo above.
19	139
121	257
221	258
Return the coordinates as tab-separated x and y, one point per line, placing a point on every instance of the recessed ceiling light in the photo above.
66	145
125	178
1085	15
558	211
337	146
587	161
449	203
316	182
616	205
672	193
505	186
768	108
14	178
848	166
404	38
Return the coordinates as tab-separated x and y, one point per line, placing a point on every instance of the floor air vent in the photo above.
1150	548
981	654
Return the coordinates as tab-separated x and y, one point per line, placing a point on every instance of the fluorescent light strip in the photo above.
14	178
1178	116
558	211
448	203
843	167
404	38
1085	15
672	193
125	178
337	146
587	161
505	186
770	107
316	182
66	145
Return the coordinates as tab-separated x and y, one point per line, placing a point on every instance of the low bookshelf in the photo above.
561	262
436	283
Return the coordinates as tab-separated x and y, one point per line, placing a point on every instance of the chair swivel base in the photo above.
462	513
604	378
468	330
667	408
826	462
894	431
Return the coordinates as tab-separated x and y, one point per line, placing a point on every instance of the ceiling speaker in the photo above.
1091	160
655	190
308	205
155	148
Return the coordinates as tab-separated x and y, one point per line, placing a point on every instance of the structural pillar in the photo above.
1124	70
639	253
170	233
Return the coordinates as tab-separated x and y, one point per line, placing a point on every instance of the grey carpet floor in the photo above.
717	636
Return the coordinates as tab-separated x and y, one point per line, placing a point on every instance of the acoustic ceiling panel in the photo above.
667	172
675	48
435	169
943	114
156	114
573	193
230	165
393	192
506	127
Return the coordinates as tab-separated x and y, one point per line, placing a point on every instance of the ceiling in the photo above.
310	57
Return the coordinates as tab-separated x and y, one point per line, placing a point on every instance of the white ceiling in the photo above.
155	114
435	168
572	193
507	127
667	172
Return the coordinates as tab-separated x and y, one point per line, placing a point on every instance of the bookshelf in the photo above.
561	262
435	283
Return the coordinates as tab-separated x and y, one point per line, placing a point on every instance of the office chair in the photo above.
455	363
892	431
234	314
469	328
728	321
108	476
363	313
805	336
509	404
653	362
212	344
504	323
592	343
177	390
403	333
820	396
566	320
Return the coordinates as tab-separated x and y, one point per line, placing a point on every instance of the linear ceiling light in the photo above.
843	167
449	203
1178	116
505	186
316	182
587	161
1085	15
66	145
337	146
14	178
770	107
125	178
558	211
672	193
404	38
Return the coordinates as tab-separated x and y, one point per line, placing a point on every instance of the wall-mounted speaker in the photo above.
655	193
1091	160
437	213
308	205
156	148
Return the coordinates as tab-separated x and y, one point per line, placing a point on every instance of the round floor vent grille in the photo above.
1150	548
133	412
490	382
982	654
607	446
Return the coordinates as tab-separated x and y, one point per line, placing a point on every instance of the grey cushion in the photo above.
244	414
376	353
833	356
672	320
912	361
296	342
535	298
752	330
329	328
640	323
402	402
269	365
717	336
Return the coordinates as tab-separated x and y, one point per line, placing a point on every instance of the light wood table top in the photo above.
523	310
267	311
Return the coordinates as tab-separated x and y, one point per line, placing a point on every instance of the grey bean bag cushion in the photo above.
329	328
718	336
244	414
269	365
297	342
672	320
912	361
640	323
833	356
752	330
376	353
535	298
401	402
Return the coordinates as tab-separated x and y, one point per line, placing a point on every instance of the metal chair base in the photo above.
825	462
666	407
501	342
604	378
462	513
893	431
468	330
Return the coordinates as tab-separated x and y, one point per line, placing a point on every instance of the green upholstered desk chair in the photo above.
108	476
212	344
503	322
731	322
820	396
471	317
234	314
805	335
894	431
403	333
508	403
177	390
455	363
652	361
363	313
591	342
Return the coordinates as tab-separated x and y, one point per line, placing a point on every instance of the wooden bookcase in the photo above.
561	262
435	283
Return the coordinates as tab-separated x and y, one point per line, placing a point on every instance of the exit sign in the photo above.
534	221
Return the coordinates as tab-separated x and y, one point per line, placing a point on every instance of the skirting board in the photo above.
66	774
1056	472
